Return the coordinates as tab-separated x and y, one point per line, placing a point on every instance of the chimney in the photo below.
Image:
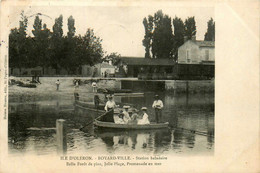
193	38
185	38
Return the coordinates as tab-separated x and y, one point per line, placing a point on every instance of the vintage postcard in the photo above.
148	86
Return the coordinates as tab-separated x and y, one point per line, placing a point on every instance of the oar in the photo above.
94	120
193	131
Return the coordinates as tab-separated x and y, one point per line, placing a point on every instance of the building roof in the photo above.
147	61
106	65
201	43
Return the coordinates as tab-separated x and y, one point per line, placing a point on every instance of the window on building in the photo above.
188	55
206	55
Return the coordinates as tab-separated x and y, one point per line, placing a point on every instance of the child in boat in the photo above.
126	114
133	117
144	119
119	119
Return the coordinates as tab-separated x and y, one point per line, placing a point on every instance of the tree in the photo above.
94	50
57	27
54	50
210	34
158	37
88	49
190	27
147	41
114	57
37	26
39	54
14	49
162	41
57	42
69	49
18	46
179	31
71	27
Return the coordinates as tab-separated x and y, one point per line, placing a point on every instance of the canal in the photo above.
31	127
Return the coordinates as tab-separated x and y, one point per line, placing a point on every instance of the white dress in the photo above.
126	117
144	120
118	120
110	105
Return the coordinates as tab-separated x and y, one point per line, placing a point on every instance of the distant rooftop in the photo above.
106	65
147	61
202	43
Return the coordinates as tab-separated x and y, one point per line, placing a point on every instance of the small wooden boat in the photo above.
113	90
111	125
89	105
103	124
130	94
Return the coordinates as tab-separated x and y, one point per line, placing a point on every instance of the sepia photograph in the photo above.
111	82
112	86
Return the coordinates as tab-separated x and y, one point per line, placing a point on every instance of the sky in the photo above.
120	27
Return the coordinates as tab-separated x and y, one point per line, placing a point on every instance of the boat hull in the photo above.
111	125
89	105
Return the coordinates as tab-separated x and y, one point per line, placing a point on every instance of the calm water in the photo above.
192	112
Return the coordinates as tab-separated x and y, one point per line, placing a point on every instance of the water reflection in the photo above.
193	112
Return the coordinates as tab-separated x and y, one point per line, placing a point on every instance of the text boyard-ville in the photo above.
129	158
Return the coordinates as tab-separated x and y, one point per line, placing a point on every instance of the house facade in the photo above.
196	59
196	52
98	70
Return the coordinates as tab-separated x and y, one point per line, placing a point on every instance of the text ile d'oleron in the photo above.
103	161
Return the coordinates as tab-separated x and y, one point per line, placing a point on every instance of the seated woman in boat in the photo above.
126	114
119	119
144	119
109	108
134	117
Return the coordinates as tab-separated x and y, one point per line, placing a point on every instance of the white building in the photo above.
196	52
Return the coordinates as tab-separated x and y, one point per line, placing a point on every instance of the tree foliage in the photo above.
70	60
179	31
210	34
190	27
162	36
114	57
18	43
53	49
147	41
158	36
160	41
39	54
71	27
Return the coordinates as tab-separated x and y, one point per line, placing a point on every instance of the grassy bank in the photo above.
47	89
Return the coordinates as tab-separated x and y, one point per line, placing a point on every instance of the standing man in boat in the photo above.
158	105
109	108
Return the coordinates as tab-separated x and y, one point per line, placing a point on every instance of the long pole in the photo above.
94	120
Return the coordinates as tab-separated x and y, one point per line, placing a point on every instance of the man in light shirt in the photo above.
158	105
57	84
94	86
